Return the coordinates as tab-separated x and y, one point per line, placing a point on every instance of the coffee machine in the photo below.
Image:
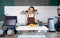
57	25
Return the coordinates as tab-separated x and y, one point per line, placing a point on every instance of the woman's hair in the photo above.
32	7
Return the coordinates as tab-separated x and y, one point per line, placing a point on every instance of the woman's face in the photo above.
31	10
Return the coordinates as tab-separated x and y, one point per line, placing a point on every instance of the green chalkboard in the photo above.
5	3
59	2
53	2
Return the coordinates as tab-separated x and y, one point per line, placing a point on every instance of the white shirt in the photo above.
31	15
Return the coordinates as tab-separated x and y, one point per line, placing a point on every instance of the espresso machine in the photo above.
57	25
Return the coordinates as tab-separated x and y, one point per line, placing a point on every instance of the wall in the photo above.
17	2
45	12
59	6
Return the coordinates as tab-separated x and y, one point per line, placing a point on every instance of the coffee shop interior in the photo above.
29	18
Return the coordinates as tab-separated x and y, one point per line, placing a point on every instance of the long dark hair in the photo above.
32	7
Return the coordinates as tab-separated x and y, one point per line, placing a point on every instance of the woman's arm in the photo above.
36	20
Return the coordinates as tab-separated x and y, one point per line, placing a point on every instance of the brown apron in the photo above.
31	20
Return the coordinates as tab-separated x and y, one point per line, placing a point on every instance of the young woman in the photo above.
31	16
